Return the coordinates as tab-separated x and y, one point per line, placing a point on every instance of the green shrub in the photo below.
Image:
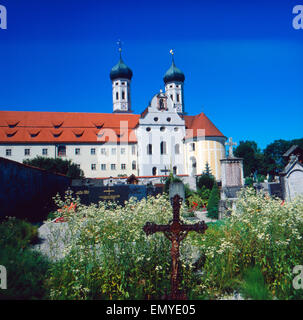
26	274
17	233
206	180
213	202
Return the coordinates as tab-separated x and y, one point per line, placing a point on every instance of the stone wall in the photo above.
26	192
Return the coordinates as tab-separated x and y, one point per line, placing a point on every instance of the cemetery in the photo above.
116	242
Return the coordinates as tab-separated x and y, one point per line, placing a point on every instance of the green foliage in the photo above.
17	233
262	232
213	202
108	255
56	165
249	181
26	274
26	269
254	286
206	181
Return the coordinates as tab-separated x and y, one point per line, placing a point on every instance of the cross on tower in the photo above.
230	143
119	43
175	231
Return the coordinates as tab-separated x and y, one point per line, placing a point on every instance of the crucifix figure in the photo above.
230	143
175	231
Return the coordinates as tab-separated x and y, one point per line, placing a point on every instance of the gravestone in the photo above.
232	178
292	179
117	193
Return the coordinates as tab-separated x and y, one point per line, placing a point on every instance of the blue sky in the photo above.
242	59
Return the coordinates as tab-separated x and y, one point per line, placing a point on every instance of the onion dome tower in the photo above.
121	76
174	82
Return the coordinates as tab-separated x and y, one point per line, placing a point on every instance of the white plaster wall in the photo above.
173	134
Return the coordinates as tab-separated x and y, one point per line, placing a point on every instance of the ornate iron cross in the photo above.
175	231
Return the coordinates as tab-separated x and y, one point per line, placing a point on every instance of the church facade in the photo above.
161	139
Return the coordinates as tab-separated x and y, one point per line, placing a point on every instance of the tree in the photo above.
213	202
205	180
57	165
207	170
253	159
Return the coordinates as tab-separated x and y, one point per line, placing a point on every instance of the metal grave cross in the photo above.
165	170
175	231
230	143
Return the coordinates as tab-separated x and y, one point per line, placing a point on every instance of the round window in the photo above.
176	129
156	119
162	129
148	129
168	119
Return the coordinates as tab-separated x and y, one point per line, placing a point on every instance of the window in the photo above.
178	98
123	83
27	152
149	149
163	147
117	83
122	150
93	166
133	150
103	151
148	129
123	95
113	166
78	166
92	151
61	151
176	129
134	166
113	151
177	149
44	152
103	166
192	146
156	119
8	152
162	129
168	119
154	171
171	96
117	95
123	166
77	151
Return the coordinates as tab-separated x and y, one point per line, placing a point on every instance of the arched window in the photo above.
149	149
177	148
134	165
154	171
123	95
117	95
175	169
178	98
163	147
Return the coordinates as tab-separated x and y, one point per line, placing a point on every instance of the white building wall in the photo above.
155	127
85	159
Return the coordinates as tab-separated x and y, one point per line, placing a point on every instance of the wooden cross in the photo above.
230	143
175	231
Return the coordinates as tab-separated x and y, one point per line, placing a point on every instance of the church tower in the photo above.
121	76
174	82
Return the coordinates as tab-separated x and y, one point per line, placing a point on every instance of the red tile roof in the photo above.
198	124
52	127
